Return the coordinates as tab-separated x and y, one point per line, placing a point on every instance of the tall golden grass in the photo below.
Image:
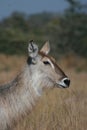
57	109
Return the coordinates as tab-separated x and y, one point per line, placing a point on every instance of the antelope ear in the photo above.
33	51
46	48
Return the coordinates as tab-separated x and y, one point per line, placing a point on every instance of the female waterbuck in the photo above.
18	96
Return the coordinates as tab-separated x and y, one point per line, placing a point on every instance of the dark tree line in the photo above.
67	32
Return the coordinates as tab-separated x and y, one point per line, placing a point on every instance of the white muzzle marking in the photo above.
64	82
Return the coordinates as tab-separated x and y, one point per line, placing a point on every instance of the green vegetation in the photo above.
67	32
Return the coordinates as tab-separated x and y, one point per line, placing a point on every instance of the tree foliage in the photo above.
67	32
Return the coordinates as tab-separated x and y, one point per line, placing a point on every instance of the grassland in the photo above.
57	109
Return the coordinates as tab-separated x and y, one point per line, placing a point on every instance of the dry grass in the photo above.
57	109
10	67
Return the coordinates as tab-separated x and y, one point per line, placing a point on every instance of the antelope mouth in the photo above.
61	86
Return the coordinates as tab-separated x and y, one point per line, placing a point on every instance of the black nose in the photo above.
67	82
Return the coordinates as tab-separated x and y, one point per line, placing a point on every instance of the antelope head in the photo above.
45	72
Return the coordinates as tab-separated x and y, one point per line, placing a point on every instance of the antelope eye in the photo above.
46	62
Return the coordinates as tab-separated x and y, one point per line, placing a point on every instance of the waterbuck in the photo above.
18	96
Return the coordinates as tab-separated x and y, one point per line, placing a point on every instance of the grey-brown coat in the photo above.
18	96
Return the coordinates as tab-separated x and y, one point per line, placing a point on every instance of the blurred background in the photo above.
64	24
